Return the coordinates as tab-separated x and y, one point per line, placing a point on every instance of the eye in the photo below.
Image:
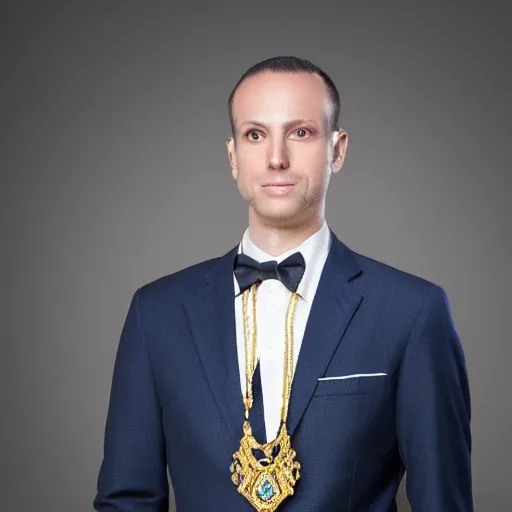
302	133
253	135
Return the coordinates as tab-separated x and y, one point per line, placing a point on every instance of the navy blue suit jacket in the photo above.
176	400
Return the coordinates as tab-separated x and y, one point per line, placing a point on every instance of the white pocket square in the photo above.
353	376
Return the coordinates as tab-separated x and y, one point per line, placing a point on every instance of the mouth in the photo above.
278	189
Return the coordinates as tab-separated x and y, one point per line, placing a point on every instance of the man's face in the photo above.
284	152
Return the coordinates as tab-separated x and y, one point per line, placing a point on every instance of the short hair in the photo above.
290	64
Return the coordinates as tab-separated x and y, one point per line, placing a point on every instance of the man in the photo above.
291	373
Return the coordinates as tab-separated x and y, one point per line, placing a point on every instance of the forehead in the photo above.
277	97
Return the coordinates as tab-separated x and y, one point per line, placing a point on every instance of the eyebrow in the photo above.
287	126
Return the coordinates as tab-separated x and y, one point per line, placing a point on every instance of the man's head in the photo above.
284	117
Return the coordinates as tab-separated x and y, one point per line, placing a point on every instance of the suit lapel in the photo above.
333	307
211	314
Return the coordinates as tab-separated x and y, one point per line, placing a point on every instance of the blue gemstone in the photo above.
265	491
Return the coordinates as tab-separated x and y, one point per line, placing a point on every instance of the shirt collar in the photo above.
314	250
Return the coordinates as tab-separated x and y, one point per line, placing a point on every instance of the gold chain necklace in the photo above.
266	473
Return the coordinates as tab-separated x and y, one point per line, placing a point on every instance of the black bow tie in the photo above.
290	271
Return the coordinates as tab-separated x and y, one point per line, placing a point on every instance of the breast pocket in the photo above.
352	385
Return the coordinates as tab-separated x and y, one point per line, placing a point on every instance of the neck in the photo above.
275	238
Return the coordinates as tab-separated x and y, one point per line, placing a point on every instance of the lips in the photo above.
278	189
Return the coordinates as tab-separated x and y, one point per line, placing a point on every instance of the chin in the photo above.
279	214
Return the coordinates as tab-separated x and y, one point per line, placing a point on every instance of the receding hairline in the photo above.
328	95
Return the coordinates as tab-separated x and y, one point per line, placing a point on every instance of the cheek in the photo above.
245	173
315	154
249	166
246	179
315	165
252	154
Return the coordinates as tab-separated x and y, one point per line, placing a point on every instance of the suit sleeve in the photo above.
133	475
433	412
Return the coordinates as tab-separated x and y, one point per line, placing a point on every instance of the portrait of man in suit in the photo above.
291	373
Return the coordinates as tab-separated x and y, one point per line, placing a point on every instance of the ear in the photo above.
230	146
339	143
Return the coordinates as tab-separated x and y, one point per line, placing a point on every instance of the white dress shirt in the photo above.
271	305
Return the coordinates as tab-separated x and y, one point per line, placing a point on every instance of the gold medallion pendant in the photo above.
266	473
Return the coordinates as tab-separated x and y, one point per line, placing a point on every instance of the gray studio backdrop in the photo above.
114	173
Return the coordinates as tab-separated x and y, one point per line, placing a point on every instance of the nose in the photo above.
278	158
